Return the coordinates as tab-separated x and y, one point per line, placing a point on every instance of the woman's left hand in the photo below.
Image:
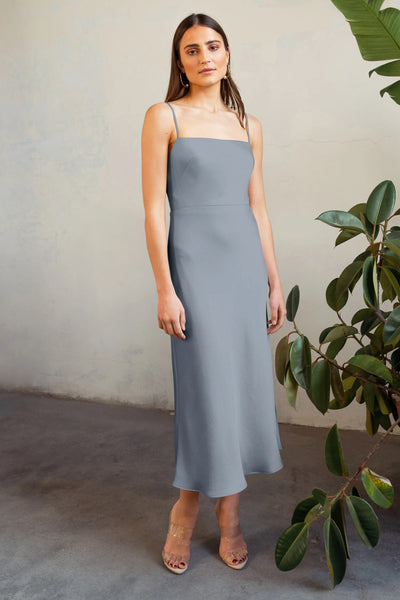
278	310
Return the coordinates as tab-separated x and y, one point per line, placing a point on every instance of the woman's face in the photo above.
203	48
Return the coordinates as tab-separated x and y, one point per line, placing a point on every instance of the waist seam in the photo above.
203	205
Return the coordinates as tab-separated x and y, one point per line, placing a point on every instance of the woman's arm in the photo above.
257	203
155	140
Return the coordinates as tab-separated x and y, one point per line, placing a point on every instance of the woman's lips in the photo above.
207	71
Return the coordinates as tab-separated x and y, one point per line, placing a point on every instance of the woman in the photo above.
212	276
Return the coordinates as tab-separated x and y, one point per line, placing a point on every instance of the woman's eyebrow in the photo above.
210	42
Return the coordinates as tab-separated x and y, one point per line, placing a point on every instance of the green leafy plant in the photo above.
378	36
371	377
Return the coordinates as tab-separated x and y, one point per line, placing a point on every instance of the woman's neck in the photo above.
206	98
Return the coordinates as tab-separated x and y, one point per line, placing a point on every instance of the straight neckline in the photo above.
210	138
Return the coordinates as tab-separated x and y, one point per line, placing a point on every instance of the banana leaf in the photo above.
377	33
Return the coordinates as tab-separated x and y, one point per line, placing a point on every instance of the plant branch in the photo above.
359	469
334	363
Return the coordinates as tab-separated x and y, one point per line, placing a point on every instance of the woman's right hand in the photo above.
171	314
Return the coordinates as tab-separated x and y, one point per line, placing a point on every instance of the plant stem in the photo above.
333	362
359	469
372	451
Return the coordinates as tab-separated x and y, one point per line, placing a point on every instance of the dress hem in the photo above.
213	494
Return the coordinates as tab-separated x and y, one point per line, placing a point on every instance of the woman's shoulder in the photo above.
255	128
253	121
158	109
158	117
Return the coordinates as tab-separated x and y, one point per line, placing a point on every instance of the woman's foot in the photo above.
232	547
176	551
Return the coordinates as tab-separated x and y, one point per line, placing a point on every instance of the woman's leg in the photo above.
183	516
232	546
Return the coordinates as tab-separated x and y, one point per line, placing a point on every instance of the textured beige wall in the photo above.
78	301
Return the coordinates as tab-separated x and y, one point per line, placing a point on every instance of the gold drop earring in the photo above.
180	77
228	72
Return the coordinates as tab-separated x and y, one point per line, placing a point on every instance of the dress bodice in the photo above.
204	171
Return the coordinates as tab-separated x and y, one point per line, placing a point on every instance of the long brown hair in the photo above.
229	90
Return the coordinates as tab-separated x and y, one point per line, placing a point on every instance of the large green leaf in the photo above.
362	314
320	495
390	69
383	420
377	33
395	360
335	551
370	364
391	330
378	488
393	246
370	282
338	404
383	401
369	395
389	292
340	218
321	385
337	384
338	331
360	211
337	514
348	278
364	519
371	422
390	258
377	345
393	90
345	235
281	358
302	509
369	324
313	513
292	303
291	387
334	453
334	347
335	302
300	361
323	500
291	546
381	201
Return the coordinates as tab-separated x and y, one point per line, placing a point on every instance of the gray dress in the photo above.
225	415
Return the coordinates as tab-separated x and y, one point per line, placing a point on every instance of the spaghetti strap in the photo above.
176	123
247	126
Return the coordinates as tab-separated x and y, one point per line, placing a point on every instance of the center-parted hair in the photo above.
229	91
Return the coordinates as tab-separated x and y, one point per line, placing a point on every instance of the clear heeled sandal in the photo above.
173	560
237	558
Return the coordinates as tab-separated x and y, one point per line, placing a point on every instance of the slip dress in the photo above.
225	421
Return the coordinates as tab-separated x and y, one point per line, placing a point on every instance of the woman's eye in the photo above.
213	47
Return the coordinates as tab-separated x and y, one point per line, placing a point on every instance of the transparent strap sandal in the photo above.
178	563
238	555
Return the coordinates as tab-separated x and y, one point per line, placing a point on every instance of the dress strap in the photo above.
176	122
247	126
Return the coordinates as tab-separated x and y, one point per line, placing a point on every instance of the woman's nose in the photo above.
204	56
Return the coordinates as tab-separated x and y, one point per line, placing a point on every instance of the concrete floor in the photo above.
86	491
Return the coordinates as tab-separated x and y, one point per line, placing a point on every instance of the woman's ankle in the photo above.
186	511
